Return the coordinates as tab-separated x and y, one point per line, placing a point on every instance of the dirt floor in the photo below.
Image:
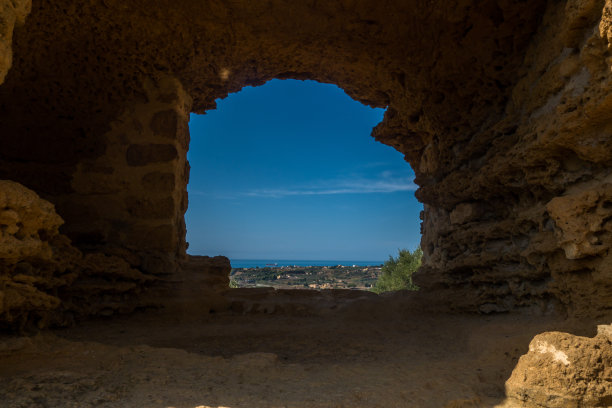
262	349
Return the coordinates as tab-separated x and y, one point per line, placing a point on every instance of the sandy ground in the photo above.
370	352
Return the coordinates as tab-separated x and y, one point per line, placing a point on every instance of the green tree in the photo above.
397	272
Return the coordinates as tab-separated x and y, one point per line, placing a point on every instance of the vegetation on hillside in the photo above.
394	274
397	272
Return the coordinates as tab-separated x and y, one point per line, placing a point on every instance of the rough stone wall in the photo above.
12	12
81	65
522	216
44	280
501	107
131	199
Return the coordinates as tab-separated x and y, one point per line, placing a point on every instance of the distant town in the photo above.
307	277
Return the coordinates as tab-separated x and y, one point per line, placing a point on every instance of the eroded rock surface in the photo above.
563	370
502	108
517	214
44	280
584	221
12	12
127	74
27	224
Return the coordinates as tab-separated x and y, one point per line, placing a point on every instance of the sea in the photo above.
262	263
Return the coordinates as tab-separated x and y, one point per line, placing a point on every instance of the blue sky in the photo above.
288	170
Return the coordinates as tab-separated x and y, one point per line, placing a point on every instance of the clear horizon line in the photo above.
297	259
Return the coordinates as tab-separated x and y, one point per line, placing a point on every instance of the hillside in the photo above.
308	277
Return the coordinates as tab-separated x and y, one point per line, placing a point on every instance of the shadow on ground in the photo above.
274	349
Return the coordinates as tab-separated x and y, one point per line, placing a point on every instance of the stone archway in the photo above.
502	109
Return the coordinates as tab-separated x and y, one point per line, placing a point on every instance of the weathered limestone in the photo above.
519	217
44	280
12	13
503	108
584	221
133	195
27	223
562	370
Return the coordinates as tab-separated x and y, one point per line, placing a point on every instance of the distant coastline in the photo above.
262	263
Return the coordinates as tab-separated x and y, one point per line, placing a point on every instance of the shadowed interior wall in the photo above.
501	107
131	199
12	13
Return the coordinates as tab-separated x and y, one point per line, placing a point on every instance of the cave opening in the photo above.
502	108
287	182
